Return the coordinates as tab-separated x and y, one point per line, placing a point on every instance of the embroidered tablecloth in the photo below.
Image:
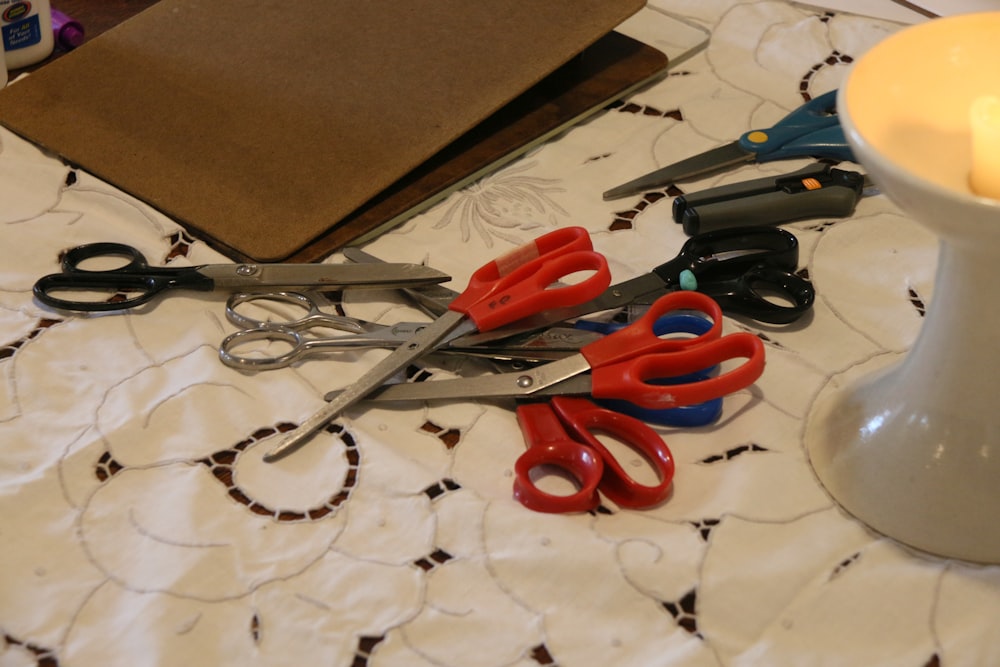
140	526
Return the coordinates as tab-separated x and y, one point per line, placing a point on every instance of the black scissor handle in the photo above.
74	257
725	254
107	283
127	286
791	295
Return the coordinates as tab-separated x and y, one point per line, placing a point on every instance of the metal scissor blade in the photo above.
426	339
504	385
703	163
616	296
256	277
433	299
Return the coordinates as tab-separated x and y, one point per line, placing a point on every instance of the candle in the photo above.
984	118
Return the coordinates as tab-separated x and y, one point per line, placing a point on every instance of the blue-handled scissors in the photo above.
812	130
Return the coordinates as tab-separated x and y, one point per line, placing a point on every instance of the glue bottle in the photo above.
25	31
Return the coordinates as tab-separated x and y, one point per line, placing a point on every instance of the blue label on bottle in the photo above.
22	34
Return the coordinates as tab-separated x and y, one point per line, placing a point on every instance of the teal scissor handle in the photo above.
812	130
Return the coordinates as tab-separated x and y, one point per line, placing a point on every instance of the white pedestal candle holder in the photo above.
913	449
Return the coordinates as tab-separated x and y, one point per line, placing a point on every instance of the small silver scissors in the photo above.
290	331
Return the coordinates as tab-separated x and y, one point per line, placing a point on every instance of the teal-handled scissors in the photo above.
516	285
812	130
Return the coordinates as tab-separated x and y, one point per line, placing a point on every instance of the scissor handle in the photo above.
640	337
724	254
700	414
134	276
812	130
626	363
526	281
297	347
313	316
764	293
639	380
562	434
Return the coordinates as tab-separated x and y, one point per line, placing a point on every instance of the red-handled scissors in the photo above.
630	364
563	433
521	283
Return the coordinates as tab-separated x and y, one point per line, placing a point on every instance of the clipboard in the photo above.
286	132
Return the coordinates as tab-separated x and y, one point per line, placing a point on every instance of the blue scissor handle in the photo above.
700	414
812	130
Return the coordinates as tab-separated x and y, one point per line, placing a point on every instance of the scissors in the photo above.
618	366
548	345
563	433
738	268
136	282
812	130
505	290
629	364
289	331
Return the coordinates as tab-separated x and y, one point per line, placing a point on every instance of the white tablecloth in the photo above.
139	525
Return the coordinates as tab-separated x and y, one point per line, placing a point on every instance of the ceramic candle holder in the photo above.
913	448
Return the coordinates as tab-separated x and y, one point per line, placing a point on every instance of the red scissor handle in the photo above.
640	337
562	434
623	362
518	284
630	379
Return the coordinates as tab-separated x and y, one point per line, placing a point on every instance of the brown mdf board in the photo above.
264	125
606	71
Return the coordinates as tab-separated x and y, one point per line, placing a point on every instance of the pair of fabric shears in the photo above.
521	283
624	366
812	130
137	282
748	271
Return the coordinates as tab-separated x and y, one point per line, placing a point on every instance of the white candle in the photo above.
984	117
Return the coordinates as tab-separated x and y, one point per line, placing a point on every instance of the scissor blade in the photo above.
267	277
616	296
425	340
703	163
526	383
434	299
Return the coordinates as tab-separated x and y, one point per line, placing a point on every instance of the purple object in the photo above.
67	30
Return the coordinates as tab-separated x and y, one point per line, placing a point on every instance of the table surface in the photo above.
139	524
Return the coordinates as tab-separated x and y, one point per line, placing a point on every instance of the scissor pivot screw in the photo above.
525	381
247	269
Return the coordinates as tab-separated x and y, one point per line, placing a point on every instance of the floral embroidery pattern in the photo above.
504	201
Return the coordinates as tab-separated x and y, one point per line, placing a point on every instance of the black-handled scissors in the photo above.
136	282
748	270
